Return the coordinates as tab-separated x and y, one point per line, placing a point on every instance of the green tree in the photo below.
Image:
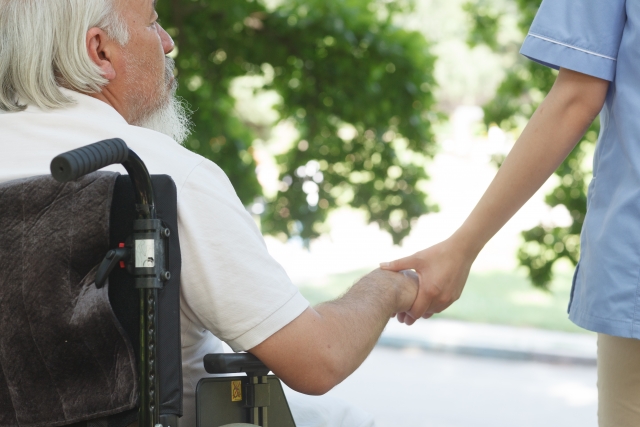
524	87
333	63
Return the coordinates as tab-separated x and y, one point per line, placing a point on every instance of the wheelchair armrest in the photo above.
230	363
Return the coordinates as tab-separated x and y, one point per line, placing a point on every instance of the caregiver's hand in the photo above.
442	270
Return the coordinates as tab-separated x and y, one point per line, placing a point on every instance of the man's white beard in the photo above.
172	116
172	119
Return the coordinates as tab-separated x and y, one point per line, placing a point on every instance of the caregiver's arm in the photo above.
554	130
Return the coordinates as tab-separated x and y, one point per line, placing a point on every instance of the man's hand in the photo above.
404	286
442	270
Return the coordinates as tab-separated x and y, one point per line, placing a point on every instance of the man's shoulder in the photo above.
31	138
161	154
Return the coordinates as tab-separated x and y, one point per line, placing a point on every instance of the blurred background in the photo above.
360	131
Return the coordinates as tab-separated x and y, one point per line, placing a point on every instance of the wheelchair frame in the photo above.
146	257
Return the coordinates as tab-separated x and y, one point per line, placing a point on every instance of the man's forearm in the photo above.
356	320
327	343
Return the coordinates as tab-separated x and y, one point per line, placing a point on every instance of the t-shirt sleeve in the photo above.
230	284
580	35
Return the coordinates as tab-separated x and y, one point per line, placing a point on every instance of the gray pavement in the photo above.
418	388
430	374
496	341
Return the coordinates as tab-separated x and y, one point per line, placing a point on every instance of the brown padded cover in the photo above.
63	356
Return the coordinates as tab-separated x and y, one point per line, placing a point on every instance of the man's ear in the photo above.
99	50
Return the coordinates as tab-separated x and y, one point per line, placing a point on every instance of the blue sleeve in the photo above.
580	35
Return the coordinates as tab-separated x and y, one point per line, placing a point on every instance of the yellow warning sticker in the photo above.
236	391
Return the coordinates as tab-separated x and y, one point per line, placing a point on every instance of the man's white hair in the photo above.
43	47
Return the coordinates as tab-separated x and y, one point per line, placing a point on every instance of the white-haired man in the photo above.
74	72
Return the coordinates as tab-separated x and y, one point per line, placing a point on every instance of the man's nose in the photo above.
167	41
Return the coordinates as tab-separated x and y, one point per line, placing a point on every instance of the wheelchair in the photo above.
142	268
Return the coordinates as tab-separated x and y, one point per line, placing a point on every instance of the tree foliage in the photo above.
517	97
336	64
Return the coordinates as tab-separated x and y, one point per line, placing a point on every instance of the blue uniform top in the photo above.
601	38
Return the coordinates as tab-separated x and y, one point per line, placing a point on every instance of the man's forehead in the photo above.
137	6
151	4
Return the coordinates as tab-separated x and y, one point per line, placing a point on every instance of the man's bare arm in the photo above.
326	343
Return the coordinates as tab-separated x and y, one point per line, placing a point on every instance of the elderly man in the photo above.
74	72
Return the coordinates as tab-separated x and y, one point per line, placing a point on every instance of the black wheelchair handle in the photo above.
73	164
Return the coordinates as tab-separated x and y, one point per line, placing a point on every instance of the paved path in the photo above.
417	388
506	342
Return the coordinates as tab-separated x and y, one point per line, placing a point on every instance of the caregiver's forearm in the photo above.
554	130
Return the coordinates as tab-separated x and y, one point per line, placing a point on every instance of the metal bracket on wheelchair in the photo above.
146	258
258	400
150	267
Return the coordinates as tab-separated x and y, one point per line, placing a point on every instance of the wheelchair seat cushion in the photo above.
64	357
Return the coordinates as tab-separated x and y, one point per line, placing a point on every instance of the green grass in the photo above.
499	297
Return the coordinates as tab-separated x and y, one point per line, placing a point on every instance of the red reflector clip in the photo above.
122	265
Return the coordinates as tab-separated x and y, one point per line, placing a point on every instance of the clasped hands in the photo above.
442	272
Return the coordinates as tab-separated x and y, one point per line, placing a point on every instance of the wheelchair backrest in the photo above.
67	349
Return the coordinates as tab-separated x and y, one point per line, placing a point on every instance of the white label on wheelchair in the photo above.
145	253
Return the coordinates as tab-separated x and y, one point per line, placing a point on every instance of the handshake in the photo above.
440	272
